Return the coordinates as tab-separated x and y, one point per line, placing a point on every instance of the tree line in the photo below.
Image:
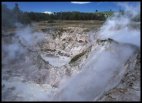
11	16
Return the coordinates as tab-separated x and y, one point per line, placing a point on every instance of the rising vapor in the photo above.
105	67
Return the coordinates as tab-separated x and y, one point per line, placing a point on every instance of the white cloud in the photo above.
48	12
80	2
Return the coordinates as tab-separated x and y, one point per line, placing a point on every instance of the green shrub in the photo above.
76	57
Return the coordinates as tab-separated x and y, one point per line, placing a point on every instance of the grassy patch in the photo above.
76	57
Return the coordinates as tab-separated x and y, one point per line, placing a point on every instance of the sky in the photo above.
50	7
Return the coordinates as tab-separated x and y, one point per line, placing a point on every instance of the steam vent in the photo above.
70	56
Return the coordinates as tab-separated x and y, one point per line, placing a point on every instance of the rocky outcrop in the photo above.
108	63
129	87
67	54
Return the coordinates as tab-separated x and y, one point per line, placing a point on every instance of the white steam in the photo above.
28	37
11	52
104	68
119	28
25	38
102	71
135	10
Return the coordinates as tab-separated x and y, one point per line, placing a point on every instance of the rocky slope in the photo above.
129	87
94	78
48	71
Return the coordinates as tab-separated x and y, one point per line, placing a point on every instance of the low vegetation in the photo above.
76	57
18	16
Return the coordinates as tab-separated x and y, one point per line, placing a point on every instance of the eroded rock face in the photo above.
47	65
70	55
106	63
129	87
